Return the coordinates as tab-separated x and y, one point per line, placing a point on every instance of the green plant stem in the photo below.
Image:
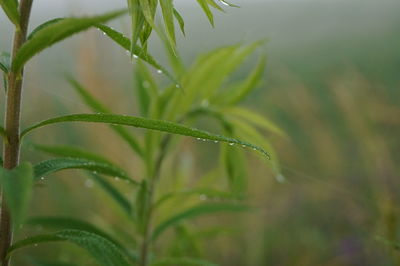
145	247
11	151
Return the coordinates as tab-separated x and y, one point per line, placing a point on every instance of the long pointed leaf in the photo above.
10	7
196	212
105	252
125	43
153	124
54	165
57	32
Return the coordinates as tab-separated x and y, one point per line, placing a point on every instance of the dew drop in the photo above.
215	141
244	146
42	178
135	56
116	178
231	144
280	178
198	138
202	197
177	86
159	71
89	183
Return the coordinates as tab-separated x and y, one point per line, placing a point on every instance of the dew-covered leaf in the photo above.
101	249
45	168
197	211
140	122
56	32
126	44
17	187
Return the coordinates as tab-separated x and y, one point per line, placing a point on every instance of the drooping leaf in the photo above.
167	9
197	211
58	223
182	261
10	7
206	9
236	170
113	192
98	107
67	223
17	187
125	43
254	118
54	165
101	249
180	20
153	124
57	32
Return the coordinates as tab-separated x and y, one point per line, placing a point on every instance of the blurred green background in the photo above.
332	83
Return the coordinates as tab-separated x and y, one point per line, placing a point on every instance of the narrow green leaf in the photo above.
42	26
63	223
17	186
57	32
167	9
96	106
125	43
10	7
137	20
214	5
54	165
102	250
204	5
236	170
148	11
153	124
113	192
197	211
180	20
182	261
254	118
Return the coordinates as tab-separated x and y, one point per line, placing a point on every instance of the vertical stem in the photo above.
11	149
145	247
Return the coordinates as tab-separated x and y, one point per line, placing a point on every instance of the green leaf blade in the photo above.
17	186
153	124
54	165
102	250
56	32
10	7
